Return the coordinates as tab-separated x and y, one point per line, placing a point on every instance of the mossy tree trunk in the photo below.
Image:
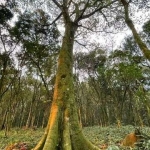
136	36
63	130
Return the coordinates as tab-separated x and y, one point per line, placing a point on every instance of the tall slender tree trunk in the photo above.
136	36
63	131
28	122
3	120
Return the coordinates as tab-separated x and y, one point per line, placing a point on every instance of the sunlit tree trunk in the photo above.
63	131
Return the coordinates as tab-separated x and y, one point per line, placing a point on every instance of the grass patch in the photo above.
97	135
29	136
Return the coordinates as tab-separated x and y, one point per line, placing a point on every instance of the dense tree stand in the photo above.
63	130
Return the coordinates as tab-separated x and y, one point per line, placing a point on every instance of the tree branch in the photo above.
69	3
102	31
56	19
65	2
84	45
96	10
57	4
3	42
80	16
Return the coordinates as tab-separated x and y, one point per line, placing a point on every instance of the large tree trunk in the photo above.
63	131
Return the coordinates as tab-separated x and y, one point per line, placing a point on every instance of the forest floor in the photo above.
100	136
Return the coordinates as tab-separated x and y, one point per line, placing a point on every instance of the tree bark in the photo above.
63	131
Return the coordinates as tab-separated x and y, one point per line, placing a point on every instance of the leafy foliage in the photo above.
146	28
5	14
36	34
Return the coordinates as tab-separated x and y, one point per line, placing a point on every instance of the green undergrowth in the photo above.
97	135
28	136
112	136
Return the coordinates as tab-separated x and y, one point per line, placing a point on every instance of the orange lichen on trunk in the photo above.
53	116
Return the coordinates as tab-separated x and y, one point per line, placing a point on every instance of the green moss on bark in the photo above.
63	130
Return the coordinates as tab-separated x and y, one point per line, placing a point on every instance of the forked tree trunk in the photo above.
63	131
